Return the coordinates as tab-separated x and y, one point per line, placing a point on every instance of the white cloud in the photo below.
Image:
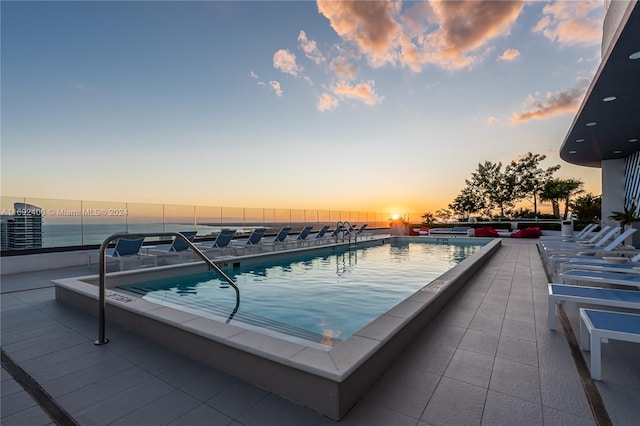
285	61
326	102
572	22
509	55
364	92
276	88
310	48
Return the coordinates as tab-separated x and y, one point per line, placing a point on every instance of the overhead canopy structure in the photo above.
607	125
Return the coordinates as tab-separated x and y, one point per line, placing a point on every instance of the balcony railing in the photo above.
67	223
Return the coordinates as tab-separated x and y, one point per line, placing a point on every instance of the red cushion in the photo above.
532	232
486	231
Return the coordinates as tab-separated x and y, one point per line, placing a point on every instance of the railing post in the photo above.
103	269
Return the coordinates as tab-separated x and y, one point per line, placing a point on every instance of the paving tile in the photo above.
33	416
16	402
516	379
443	334
237	399
552	416
122	404
518	329
519	350
209	384
81	378
487	323
367	414
405	390
432	358
507	410
477	341
92	393
163	410
626	411
470	367
202	415
455	403
277	411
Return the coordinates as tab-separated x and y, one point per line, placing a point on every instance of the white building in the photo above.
606	130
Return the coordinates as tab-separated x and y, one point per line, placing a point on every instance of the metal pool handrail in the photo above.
103	268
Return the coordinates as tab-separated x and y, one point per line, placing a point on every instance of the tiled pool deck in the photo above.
488	358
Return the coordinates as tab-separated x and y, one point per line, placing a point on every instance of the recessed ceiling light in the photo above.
579	140
635	55
633	140
617	152
591	124
609	99
572	152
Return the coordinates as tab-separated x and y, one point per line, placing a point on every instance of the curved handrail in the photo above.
103	268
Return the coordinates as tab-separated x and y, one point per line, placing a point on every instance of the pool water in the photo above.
320	298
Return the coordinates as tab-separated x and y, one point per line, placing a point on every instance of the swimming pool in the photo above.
322	298
328	379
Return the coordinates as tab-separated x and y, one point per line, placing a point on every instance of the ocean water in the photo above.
64	235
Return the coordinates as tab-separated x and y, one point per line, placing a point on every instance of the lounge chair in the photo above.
356	232
589	252
617	278
601	237
321	232
178	247
600	264
580	235
302	236
280	238
221	242
560	293
597	327
126	249
248	243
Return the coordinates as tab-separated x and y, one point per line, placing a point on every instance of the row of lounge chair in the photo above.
130	249
605	263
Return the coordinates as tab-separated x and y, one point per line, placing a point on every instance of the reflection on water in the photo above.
331	296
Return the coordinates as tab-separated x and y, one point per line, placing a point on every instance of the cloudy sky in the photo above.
379	106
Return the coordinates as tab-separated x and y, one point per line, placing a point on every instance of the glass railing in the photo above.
39	222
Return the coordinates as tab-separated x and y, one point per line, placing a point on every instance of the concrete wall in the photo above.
617	12
612	188
43	261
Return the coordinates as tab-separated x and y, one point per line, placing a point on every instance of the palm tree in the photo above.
557	190
428	218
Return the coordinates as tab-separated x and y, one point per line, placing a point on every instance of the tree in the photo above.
498	188
627	216
557	190
587	207
469	201
530	178
443	215
428	218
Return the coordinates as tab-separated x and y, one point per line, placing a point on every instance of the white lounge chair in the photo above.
221	242
628	279
251	242
301	238
279	239
560	293
600	264
591	240
597	327
580	235
572	247
125	249
178	247
554	259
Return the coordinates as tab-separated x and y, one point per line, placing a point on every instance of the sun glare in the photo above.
395	216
